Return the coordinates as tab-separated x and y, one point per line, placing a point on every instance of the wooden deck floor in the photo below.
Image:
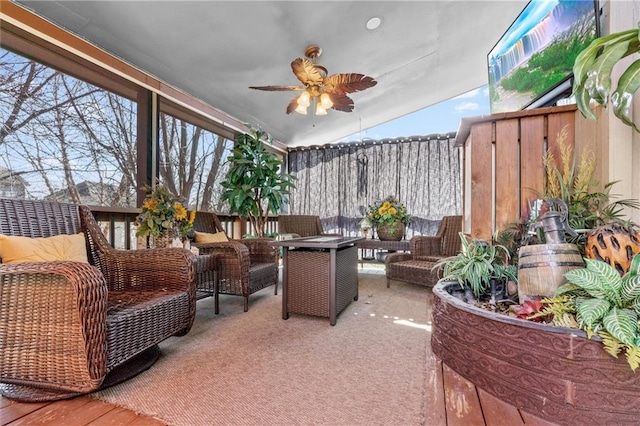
451	401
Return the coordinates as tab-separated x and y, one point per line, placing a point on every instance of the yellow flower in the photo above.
181	212
388	211
192	217
150	204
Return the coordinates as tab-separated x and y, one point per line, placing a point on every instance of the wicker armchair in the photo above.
297	225
68	328
416	266
244	266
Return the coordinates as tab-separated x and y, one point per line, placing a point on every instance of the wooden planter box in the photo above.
552	372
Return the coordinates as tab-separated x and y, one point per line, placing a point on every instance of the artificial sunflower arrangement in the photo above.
161	212
388	211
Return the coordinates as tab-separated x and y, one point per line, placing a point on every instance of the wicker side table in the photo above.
206	266
320	275
375	244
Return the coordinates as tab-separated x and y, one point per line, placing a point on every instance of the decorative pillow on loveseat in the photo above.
204	237
16	249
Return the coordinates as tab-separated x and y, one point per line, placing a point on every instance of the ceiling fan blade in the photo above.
292	105
342	102
277	88
347	83
306	72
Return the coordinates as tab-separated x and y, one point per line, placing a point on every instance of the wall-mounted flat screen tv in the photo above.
535	56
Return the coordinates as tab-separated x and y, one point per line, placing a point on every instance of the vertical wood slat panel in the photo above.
537	130
481	181
507	173
532	146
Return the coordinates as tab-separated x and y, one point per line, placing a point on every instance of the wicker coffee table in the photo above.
320	275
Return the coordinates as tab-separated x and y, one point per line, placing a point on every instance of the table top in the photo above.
333	242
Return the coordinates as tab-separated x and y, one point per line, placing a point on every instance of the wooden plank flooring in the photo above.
451	401
78	411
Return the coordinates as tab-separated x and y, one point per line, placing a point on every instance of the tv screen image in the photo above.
536	54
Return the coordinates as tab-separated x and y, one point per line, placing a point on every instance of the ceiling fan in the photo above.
319	89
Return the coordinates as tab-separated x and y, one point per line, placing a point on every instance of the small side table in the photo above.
206	266
319	275
375	244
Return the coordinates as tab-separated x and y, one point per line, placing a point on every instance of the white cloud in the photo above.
469	94
466	106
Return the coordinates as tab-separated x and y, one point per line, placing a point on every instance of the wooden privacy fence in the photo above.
503	161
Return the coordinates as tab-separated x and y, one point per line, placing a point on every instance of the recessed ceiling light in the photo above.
373	23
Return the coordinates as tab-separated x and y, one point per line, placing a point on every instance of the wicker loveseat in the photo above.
243	266
68	327
416	266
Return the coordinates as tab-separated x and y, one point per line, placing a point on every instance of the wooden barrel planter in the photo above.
541	268
551	372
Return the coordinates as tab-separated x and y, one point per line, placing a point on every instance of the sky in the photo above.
437	119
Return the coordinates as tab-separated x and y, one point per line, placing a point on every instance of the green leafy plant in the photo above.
592	75
255	186
607	304
573	183
476	264
162	211
559	311
518	233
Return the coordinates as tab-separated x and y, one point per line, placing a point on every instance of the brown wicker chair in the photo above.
416	266
297	225
244	266
69	328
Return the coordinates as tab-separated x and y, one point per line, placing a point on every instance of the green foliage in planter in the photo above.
255	186
592	75
573	183
476	264
607	304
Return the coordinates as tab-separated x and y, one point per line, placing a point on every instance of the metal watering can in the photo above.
556	223
541	267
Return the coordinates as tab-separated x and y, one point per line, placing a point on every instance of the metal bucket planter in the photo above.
552	372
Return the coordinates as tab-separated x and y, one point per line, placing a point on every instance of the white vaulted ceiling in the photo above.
423	52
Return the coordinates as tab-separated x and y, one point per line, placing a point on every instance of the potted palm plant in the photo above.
255	185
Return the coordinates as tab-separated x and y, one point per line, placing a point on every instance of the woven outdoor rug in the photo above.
255	368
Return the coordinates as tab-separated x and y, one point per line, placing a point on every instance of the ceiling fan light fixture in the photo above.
320	91
301	110
304	100
325	101
320	110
